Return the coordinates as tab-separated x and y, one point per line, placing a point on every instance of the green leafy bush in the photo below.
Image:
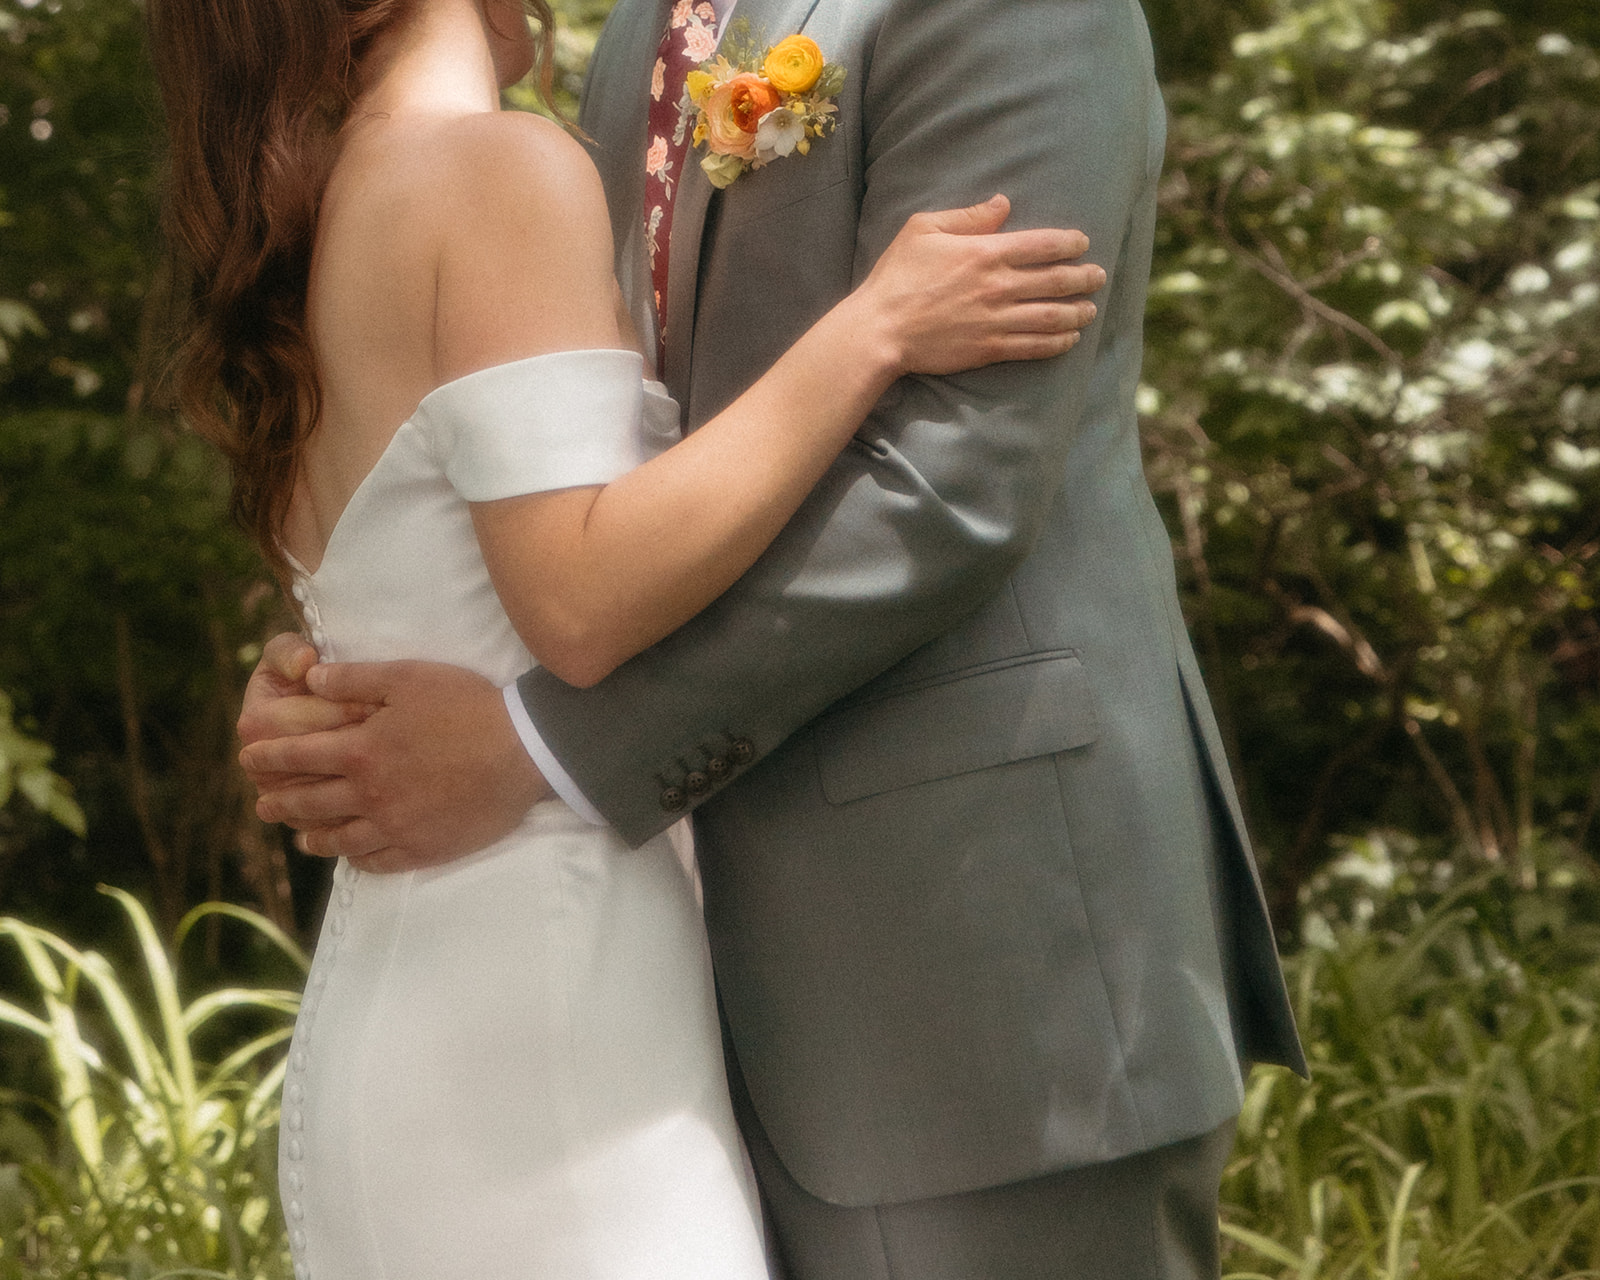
1373	401
157	1162
1451	1127
25	771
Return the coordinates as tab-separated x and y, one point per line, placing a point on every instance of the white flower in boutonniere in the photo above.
754	105
780	131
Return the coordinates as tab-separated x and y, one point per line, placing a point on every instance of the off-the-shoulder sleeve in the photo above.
554	421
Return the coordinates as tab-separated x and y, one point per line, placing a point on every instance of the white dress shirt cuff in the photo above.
545	761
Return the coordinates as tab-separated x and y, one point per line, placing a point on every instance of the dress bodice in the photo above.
402	575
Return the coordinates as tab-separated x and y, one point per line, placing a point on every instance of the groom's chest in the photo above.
617	109
764	258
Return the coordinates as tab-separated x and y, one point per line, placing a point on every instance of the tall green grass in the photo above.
1450	1130
1451	1127
161	1163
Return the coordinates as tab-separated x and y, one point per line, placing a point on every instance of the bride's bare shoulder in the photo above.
524	256
513	166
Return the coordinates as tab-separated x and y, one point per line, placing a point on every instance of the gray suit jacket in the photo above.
948	741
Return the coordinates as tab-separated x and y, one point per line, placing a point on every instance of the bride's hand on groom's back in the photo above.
394	765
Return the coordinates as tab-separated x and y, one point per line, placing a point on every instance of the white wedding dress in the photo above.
507	1067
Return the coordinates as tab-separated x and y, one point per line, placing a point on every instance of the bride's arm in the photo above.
592	576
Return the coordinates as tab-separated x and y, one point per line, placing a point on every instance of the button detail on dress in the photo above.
294	1089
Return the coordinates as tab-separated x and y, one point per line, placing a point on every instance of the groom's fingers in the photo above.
308	804
385	859
287	657
323	753
364	845
296	714
359	840
368	682
278	677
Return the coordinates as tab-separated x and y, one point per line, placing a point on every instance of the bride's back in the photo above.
446	242
337	295
369	313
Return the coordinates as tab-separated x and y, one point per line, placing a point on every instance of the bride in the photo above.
407	338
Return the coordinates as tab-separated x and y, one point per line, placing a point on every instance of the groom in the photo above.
990	945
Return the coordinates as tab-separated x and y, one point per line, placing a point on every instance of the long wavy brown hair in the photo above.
255	92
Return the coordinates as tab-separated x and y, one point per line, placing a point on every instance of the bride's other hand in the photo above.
954	292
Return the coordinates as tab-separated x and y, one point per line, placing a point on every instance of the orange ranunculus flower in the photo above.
732	112
752	98
794	64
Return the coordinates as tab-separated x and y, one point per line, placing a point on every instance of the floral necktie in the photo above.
691	38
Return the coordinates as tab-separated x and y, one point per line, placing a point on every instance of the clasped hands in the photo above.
394	765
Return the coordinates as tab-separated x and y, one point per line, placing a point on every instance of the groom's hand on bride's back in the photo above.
395	765
278	703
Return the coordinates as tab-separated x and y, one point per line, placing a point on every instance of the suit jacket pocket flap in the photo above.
992	717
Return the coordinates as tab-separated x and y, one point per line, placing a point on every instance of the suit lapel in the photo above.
775	19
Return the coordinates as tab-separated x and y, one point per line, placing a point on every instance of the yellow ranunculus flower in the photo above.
699	84
793	65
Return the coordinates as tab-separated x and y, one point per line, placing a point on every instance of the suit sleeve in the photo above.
944	490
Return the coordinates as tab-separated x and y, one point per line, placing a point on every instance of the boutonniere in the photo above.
754	103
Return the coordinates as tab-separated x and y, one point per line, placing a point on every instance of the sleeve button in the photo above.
673	799
717	767
697	784
743	751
